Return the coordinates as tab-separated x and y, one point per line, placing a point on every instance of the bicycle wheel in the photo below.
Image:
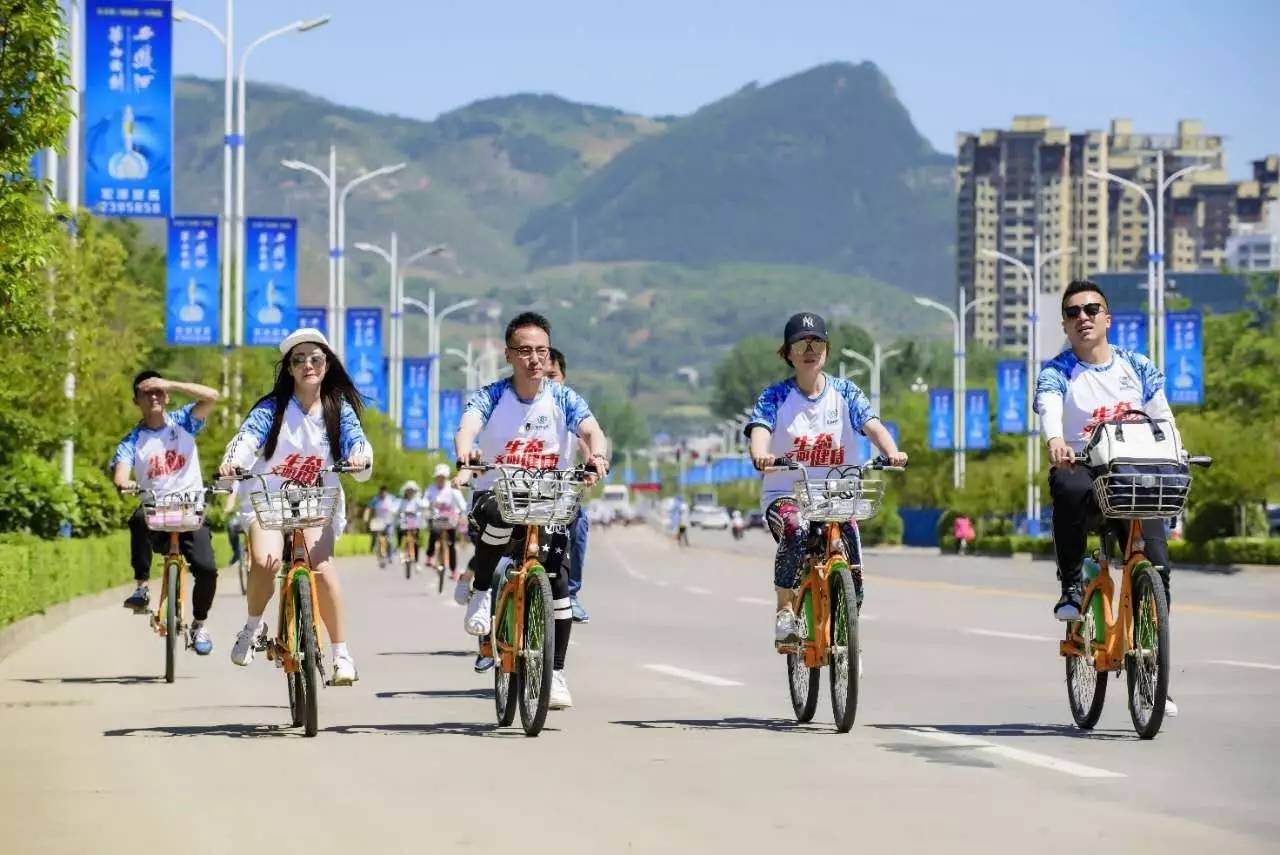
802	680
1147	664
307	654
243	565
533	668
845	648
502	625
172	618
440	562
1086	685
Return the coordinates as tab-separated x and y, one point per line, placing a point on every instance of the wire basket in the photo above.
173	512
410	522
295	507
538	497
1137	491
444	522
839	499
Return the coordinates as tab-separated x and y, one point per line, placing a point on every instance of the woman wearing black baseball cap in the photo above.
810	418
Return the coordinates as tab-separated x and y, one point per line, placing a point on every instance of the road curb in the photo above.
20	633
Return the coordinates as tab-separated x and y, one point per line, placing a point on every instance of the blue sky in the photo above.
956	66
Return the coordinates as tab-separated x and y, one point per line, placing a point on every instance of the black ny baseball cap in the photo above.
805	325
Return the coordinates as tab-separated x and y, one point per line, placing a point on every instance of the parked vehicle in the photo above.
709	516
755	519
617	498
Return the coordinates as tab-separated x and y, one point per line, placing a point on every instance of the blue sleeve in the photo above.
351	432
765	412
126	449
573	405
860	411
1054	377
483	401
252	435
1152	378
185	419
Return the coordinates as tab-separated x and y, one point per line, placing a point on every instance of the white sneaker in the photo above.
476	621
785	630
560	698
462	589
1170	708
247	642
344	671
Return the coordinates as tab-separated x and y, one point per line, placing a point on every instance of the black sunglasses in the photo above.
1090	309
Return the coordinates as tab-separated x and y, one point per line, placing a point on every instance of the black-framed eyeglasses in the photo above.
316	359
1090	309
526	350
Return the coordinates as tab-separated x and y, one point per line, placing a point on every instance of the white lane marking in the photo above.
756	601
707	679
696	590
1238	664
626	565
1018	755
1020	636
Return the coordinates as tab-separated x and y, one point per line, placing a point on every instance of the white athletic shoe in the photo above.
476	621
560	698
785	630
247	643
344	671
1170	708
462	589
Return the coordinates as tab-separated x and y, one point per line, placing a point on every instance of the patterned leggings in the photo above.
791	535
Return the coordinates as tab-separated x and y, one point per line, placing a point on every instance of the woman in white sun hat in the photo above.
308	421
448	507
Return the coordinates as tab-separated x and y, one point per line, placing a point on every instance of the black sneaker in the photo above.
1068	607
483	664
139	600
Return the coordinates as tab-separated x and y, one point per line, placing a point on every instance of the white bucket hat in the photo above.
410	485
442	471
303	336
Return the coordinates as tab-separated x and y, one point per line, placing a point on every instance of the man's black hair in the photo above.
1080	286
382	487
527	319
558	358
143	375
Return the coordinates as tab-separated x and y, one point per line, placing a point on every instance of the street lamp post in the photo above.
957	316
434	321
1032	275
1155	247
469	364
878	358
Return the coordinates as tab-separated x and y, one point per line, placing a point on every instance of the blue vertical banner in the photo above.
36	167
417	398
941	419
450	417
1129	331
1011	396
1184	358
192	282
270	279
654	476
128	107
628	476
313	317
364	355
977	419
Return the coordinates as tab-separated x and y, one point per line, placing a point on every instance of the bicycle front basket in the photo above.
838	499
295	507
538	497
174	512
1142	490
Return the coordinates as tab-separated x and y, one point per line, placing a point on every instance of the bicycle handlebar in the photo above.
881	463
482	467
1195	460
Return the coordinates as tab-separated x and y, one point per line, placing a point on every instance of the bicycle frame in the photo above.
286	640
817	647
514	616
173	563
1113	633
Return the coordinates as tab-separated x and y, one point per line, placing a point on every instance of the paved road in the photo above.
680	740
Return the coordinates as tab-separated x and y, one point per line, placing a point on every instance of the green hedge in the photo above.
1223	551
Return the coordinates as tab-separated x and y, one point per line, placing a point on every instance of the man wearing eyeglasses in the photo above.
1079	389
531	422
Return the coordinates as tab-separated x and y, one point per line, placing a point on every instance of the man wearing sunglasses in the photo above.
1082	387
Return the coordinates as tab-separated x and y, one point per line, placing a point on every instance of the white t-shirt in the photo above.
446	503
816	432
165	460
1073	397
412	513
302	450
537	434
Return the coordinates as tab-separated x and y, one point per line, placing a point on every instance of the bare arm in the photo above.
205	396
121	476
598	444
759	439
464	441
883	440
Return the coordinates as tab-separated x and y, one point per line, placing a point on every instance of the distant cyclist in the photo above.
811	419
411	516
379	516
161	452
447	507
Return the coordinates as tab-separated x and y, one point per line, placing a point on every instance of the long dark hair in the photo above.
335	388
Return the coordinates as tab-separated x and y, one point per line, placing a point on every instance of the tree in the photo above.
622	422
750	365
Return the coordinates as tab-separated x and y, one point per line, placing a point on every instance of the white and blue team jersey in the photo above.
817	432
536	434
302	450
1073	397
164	460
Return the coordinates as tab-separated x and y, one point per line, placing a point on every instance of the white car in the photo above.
709	516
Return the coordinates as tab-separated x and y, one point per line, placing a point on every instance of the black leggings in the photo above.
196	547
451	535
495	538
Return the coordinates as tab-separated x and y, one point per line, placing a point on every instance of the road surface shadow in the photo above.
443	728
231	731
128	680
780	725
1014	729
949	755
440	693
458	653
